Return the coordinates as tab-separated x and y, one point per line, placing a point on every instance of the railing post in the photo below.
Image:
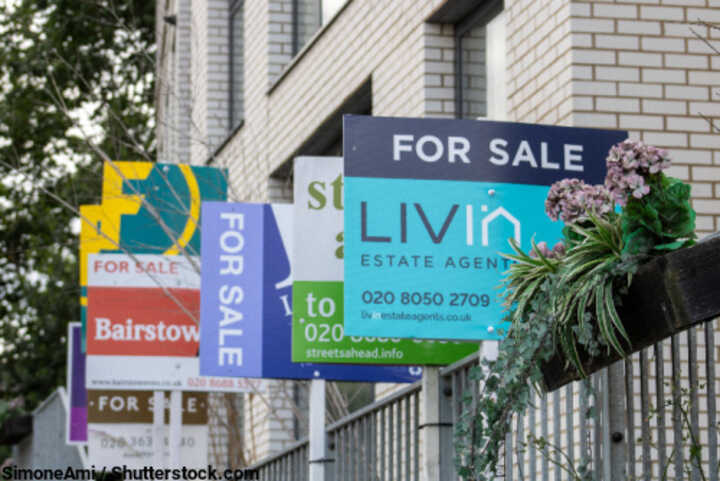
617	423
320	464
436	425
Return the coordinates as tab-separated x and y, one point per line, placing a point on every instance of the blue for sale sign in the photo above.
431	203
246	300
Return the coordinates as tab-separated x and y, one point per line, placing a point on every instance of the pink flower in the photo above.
571	199
559	249
629	164
556	252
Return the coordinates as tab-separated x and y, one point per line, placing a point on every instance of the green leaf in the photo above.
672	245
605	324
612	312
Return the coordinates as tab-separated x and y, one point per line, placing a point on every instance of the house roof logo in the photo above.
498	213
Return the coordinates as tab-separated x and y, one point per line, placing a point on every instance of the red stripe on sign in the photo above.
131	321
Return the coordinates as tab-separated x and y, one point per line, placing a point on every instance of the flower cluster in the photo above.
629	165
571	200
556	252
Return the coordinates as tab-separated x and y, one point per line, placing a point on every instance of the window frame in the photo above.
295	45
480	17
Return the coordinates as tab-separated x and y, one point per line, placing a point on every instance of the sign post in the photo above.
142	325
158	429
319	464
175	436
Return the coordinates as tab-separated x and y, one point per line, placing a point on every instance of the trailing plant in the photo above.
564	300
562	461
683	402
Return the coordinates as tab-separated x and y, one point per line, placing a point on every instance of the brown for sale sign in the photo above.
138	407
120	428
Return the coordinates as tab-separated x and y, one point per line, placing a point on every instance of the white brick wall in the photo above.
628	64
367	40
209	77
280	37
173	83
181	87
539	74
439	77
652	76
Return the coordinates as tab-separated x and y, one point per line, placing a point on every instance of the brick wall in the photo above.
639	66
268	420
209	78
633	65
539	73
629	65
280	37
375	40
162	78
439	71
180	129
173	95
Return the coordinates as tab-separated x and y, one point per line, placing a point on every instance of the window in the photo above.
327	139
480	65
236	63
309	16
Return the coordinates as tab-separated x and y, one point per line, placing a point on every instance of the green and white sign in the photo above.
318	321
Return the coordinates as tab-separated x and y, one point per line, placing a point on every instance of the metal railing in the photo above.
379	442
650	417
290	464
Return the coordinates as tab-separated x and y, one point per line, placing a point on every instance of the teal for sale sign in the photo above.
429	207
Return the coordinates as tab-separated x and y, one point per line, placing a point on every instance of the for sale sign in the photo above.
139	275
318	311
120	427
143	324
429	207
76	428
143	305
246	313
146	208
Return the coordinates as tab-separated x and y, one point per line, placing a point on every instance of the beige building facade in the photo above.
249	85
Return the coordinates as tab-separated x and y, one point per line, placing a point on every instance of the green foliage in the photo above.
524	279
588	276
691	447
566	303
8	409
63	60
575	471
661	221
506	383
